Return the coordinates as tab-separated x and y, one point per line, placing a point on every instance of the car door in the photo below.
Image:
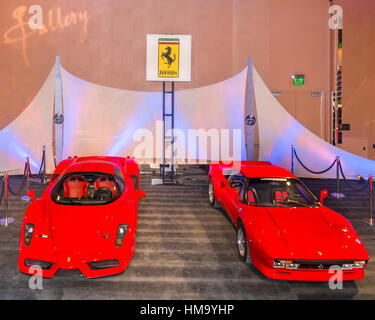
252	215
234	195
224	188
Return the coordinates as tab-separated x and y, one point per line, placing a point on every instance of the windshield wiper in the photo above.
264	204
295	201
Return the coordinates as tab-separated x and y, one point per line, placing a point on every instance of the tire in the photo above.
242	244
211	195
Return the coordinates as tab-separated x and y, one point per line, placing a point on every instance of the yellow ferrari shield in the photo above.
168	57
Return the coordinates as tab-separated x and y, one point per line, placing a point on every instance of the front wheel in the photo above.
243	245
211	195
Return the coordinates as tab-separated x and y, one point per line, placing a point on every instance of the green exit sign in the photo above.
298	80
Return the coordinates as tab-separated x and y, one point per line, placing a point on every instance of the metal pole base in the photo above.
6	221
338	195
156	181
369	221
25	198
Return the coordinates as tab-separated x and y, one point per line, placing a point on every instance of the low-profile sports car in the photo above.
282	228
86	220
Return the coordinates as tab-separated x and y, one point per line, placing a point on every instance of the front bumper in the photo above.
309	270
93	265
311	274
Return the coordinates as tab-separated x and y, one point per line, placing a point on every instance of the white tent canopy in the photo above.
100	120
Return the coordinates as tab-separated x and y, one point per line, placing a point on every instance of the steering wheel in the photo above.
103	193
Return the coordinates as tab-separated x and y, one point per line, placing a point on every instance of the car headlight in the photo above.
285	264
355	265
121	232
28	233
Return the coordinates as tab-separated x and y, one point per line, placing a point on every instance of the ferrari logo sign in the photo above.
168	58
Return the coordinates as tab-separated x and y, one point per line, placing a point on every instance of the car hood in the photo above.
75	229
310	233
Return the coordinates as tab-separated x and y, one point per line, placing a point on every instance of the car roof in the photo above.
257	169
90	164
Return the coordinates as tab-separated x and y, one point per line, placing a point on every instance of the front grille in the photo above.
68	273
45	265
104	264
321	264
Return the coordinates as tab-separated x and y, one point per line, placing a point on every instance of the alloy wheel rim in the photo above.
211	192
241	242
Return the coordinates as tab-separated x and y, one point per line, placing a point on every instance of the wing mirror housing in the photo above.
140	194
31	195
323	195
137	194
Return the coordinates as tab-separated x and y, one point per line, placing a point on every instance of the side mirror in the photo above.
137	195
323	195
31	195
140	194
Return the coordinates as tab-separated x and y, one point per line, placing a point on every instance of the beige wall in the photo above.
107	43
359	76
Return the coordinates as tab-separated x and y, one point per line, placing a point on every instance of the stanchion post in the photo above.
26	197
371	198
337	194
27	173
5	222
338	177
292	160
44	178
6	199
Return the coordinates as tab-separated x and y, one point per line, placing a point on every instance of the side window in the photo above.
229	173
120	178
237	181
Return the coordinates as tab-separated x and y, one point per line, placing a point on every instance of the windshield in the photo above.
279	192
87	188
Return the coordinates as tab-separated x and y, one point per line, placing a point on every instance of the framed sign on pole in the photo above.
168	59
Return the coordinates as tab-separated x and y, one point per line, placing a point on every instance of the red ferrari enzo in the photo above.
282	229
86	220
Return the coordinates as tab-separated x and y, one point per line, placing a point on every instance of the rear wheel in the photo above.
211	195
242	244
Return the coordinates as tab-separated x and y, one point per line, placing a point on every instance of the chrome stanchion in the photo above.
292	160
26	197
370	220
44	175
337	194
5	222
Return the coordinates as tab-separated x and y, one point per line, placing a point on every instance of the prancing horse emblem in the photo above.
167	55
